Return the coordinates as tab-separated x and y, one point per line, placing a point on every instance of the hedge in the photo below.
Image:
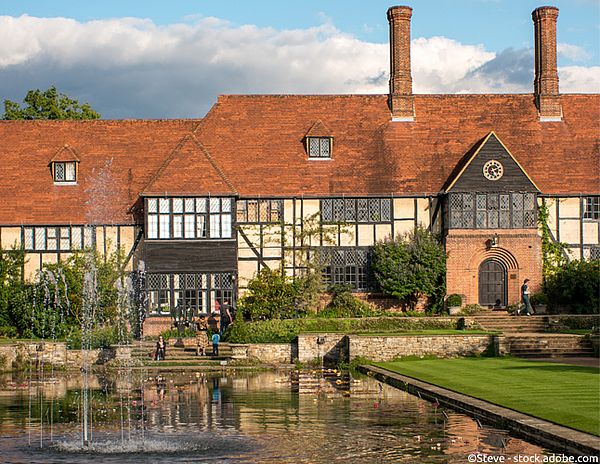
286	330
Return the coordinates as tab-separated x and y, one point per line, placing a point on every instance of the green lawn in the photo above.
564	394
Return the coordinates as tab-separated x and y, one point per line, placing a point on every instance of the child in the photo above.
215	342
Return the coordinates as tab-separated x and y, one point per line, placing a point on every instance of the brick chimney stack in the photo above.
545	83
401	96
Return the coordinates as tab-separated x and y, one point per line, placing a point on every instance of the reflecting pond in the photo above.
233	417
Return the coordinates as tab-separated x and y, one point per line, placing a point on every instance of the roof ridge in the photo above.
214	164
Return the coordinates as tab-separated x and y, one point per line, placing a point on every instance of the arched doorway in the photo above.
492	283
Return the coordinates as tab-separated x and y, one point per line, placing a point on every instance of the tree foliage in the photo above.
52	307
412	266
15	294
575	285
48	104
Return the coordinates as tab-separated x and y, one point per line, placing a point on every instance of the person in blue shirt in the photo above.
215	343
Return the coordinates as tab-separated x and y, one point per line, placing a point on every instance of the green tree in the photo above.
15	294
48	104
410	267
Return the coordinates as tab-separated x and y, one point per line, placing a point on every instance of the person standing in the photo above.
215	343
525	297
161	349
226	317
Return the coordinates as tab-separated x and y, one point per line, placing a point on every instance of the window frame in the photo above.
320	155
501	210
66	238
64	164
266	211
591	208
356	210
198	218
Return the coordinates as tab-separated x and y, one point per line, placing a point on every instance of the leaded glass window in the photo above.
491	210
64	171
356	210
188	295
591	208
347	266
259	211
53	238
319	147
188	218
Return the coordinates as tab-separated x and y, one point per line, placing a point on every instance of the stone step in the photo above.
553	354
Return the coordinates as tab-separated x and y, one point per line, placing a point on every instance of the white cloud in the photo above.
573	52
129	67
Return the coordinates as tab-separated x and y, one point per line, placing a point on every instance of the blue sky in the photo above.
485	42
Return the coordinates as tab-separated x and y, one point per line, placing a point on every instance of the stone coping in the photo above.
544	433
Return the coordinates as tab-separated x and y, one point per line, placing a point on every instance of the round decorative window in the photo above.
493	170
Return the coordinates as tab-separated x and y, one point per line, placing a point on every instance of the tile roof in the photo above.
254	145
117	159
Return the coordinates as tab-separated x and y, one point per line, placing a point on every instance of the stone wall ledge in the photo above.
547	434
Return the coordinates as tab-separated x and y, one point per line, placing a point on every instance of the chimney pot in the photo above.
545	84
401	98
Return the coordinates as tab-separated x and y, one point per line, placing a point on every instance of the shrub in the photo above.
454	300
174	333
575	285
101	337
271	295
345	304
471	309
411	266
285	331
539	299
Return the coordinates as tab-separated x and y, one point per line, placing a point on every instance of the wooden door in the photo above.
492	283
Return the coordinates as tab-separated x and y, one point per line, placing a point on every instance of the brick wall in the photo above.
519	250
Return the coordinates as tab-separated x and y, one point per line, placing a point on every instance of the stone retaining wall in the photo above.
334	348
271	353
19	354
386	348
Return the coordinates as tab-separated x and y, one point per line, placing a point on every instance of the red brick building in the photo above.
201	205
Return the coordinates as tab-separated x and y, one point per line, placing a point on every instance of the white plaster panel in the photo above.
365	235
11	236
382	232
569	207
569	231
404	208
423	213
403	227
590	232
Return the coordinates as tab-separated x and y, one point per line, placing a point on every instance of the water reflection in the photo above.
266	417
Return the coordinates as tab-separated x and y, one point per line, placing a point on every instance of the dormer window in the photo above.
64	166
319	141
64	171
319	147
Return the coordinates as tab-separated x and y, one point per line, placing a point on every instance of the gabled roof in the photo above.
492	142
117	158
319	129
65	153
189	170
